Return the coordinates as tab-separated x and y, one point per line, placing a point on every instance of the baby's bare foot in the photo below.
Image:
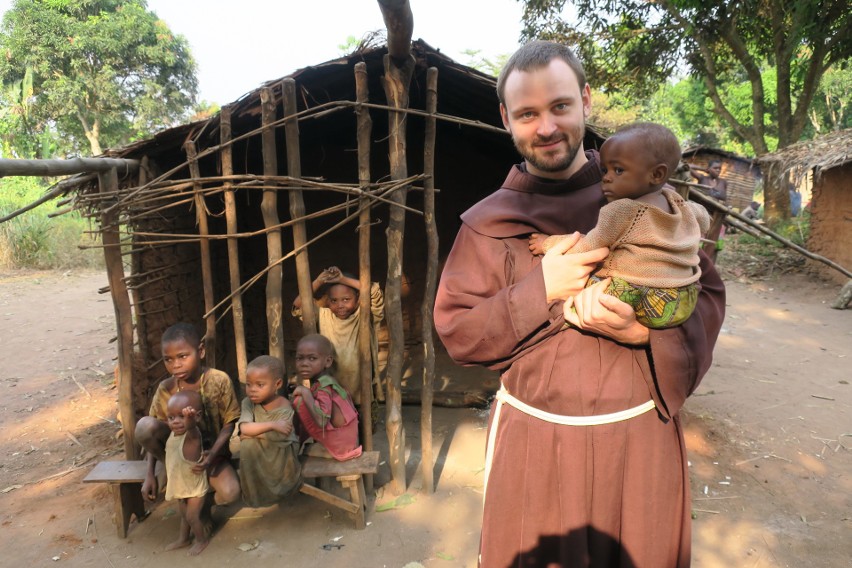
179	543
198	547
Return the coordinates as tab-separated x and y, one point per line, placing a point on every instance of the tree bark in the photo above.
396	82
399	22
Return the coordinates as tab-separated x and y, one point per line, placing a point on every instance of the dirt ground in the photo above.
769	434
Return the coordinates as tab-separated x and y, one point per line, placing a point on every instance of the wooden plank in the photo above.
51	168
351	508
366	463
120	472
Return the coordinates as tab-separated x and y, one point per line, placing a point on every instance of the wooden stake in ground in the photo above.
427	309
108	182
297	209
395	82
233	243
365	349
204	245
269	207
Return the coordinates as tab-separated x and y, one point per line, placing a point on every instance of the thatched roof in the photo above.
693	150
819	154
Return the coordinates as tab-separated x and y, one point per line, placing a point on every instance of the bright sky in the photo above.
239	44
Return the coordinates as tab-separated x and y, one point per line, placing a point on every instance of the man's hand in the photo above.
150	488
566	274
596	311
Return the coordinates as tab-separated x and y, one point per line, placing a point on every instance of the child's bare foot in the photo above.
179	543
198	547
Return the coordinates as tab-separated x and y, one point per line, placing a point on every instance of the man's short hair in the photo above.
535	55
660	142
182	331
270	363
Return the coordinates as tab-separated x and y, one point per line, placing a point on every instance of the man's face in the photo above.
545	111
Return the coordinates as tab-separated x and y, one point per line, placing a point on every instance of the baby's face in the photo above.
625	171
342	301
178	423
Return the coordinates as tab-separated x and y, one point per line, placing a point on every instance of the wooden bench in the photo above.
350	474
125	479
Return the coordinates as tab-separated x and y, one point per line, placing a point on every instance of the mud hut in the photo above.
187	237
741	173
828	161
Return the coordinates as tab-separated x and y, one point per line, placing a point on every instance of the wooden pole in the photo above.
233	243
51	168
135	272
108	181
204	244
269	207
426	465
395	82
365	331
297	209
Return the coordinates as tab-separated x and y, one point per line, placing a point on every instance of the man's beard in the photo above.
552	164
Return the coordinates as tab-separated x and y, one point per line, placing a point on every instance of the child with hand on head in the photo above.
652	232
269	447
183	452
339	321
325	410
183	356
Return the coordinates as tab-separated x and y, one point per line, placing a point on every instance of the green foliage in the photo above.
633	46
484	64
33	240
106	72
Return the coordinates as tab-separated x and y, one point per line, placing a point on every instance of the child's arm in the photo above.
219	445
328	276
284	426
151	487
317	413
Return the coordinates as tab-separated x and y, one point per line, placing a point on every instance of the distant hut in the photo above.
828	160
741	173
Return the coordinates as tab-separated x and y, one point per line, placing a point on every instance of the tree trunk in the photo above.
399	22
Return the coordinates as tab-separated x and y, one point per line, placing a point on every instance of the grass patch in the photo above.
33	240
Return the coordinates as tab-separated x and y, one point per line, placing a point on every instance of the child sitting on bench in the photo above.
183	451
268	446
325	411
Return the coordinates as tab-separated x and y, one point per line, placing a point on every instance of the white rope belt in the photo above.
503	396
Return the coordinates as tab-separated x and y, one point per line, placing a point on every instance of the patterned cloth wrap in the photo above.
656	308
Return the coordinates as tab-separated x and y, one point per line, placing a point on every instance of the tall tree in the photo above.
105	71
636	44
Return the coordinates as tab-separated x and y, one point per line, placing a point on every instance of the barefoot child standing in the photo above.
269	463
325	411
183	452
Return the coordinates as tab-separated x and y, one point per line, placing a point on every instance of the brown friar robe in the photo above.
604	496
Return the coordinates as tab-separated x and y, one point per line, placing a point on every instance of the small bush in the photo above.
33	240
